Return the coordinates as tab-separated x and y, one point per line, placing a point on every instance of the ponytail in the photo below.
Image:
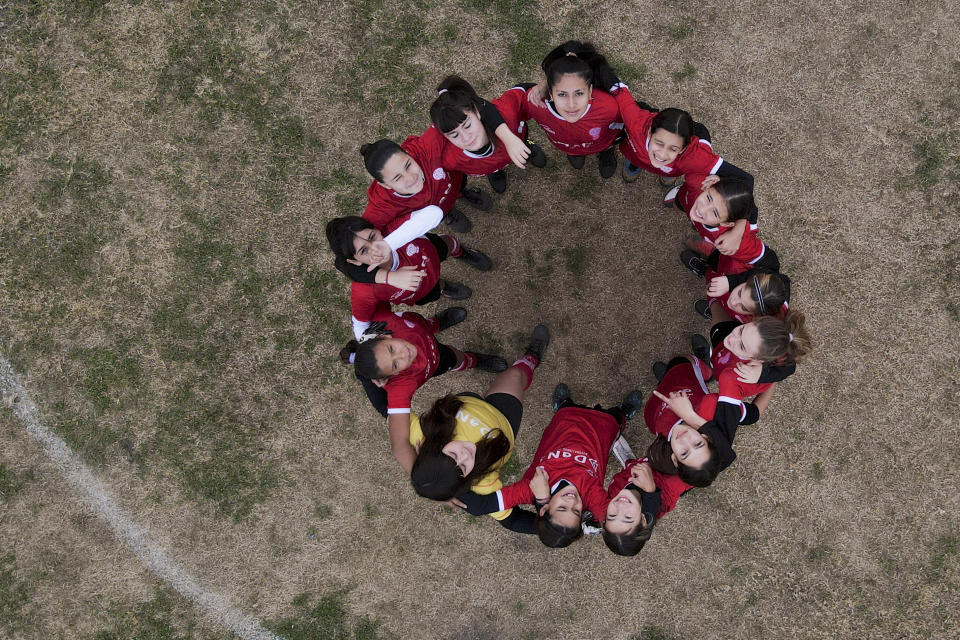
455	98
783	341
738	195
675	121
577	58
376	154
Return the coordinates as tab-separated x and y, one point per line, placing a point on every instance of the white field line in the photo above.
214	605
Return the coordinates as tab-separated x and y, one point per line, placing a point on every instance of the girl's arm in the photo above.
679	403
421	221
399	427
758	406
520	521
728	243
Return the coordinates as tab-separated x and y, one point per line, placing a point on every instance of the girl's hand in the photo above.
709	181
642	475
537	93
729	243
517	149
379	251
406	278
379	382
454	504
679	402
718	286
540	485
749	372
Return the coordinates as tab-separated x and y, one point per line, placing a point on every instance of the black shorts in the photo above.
508	405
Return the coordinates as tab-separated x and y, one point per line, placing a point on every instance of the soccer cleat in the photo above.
477	198
539	340
694	261
630	173
670	199
700	346
621	451
493	364
668	181
576	161
702	307
631	404
476	259
537	157
456	291
450	316
561	393
457	221
659	370
607	163
498	181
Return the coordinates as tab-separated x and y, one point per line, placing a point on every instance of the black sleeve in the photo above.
520	521
753	413
730	170
377	396
722	436
650	502
478	505
786	284
526	86
490	116
776	373
356	272
769	262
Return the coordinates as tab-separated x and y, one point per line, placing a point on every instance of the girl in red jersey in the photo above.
565	480
744	296
397	355
473	149
356	242
689	451
577	118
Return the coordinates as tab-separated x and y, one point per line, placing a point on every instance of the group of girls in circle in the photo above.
454	451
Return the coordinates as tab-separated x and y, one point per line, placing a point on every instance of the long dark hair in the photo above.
738	196
631	542
660	457
456	97
435	475
376	154
574	57
341	233
364	358
555	535
675	121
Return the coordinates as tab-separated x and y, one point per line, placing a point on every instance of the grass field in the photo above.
168	299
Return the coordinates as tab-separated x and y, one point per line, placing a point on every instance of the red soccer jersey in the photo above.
697	157
691	189
659	417
671	486
730	388
510	106
574	447
413	328
594	132
421	254
387	209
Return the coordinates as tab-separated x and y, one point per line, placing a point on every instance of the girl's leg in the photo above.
513	381
719	315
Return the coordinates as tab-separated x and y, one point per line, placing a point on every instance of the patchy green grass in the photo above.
10	482
90	439
108	372
160	618
324	619
14	596
484	341
576	259
653	632
680	31
531	39
688	71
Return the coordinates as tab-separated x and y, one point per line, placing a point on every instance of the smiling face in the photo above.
362	242
740	300
470	135
710	209
664	147
463	453
571	96
689	446
744	341
565	507
394	356
402	174
623	513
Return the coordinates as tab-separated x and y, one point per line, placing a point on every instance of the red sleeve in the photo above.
431	142
728	384
363	301
671	488
516	494
511	104
399	394
596	500
635	119
699	158
381	212
622	479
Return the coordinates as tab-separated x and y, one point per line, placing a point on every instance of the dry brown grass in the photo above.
838	517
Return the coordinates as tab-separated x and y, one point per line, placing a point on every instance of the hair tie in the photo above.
572	53
353	357
791	337
756	289
441	92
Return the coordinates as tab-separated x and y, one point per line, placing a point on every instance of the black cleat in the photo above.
457	221
694	261
493	364
631	404
659	370
450	316
576	161
700	346
456	291
477	198
561	393
607	162
476	259
537	157
539	340
703	308
498	181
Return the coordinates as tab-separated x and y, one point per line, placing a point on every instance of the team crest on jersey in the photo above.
595	132
412	249
439	173
725	358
